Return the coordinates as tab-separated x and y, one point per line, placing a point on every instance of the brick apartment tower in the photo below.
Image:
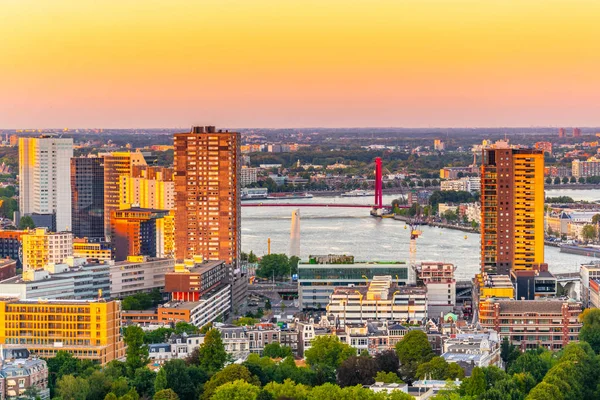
207	194
561	133
576	132
512	209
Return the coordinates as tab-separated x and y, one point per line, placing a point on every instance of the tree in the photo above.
165	394
70	388
294	260
596	219
565	180
177	377
143	382
357	370
557	181
99	384
236	390
508	352
252	259
476	384
530	362
267	304
545	391
231	373
273	265
413	350
119	386
387	361
212	355
137	351
276	350
548	181
325	355
387	377
581	179
437	368
589	232
245	321
26	222
573	180
590	332
184	327
287	390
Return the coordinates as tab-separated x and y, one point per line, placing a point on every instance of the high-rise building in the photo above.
583	169
87	197
207	194
41	247
576	132
148	187
141	232
115	165
561	133
44	189
512	209
88	330
439	145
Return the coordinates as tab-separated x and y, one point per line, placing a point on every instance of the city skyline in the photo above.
299	64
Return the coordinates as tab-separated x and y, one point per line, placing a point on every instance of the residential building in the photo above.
466	184
557	171
439	145
20	372
594	293
140	231
457	172
42	247
421	197
576	132
546	147
438	278
147	187
46	327
470	350
588	273
138	274
318	277
212	305
11	245
583	169
561	133
83	248
87	197
512	209
44	190
115	165
529	324
248	176
380	301
207	190
190	280
8	268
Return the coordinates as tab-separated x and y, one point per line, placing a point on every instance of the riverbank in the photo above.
440	224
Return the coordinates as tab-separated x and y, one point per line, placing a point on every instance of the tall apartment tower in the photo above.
44	187
87	197
512	209
561	132
207	194
576	132
115	165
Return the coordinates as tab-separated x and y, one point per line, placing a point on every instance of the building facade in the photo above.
41	247
20	373
115	165
583	169
529	324
207	194
138	275
11	245
248	176
82	248
87	197
512	209
318	277
148	187
44	190
87	330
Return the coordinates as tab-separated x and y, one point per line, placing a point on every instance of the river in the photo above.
353	231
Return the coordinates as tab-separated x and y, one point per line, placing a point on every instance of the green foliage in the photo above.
177	377
438	369
413	350
508	352
387	377
252	259
545	391
357	370
212	355
450	196
276	350
231	373
26	222
559	200
142	301
245	321
590	332
137	351
387	361
236	390
166	394
71	388
287	389
531	362
143	382
205	328
476	384
589	232
326	354
274	265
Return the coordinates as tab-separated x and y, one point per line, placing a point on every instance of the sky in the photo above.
299	63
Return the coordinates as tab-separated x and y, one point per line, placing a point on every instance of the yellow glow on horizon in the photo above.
298	63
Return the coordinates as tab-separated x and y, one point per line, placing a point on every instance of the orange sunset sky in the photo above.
288	63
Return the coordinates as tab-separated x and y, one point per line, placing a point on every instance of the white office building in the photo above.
44	180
